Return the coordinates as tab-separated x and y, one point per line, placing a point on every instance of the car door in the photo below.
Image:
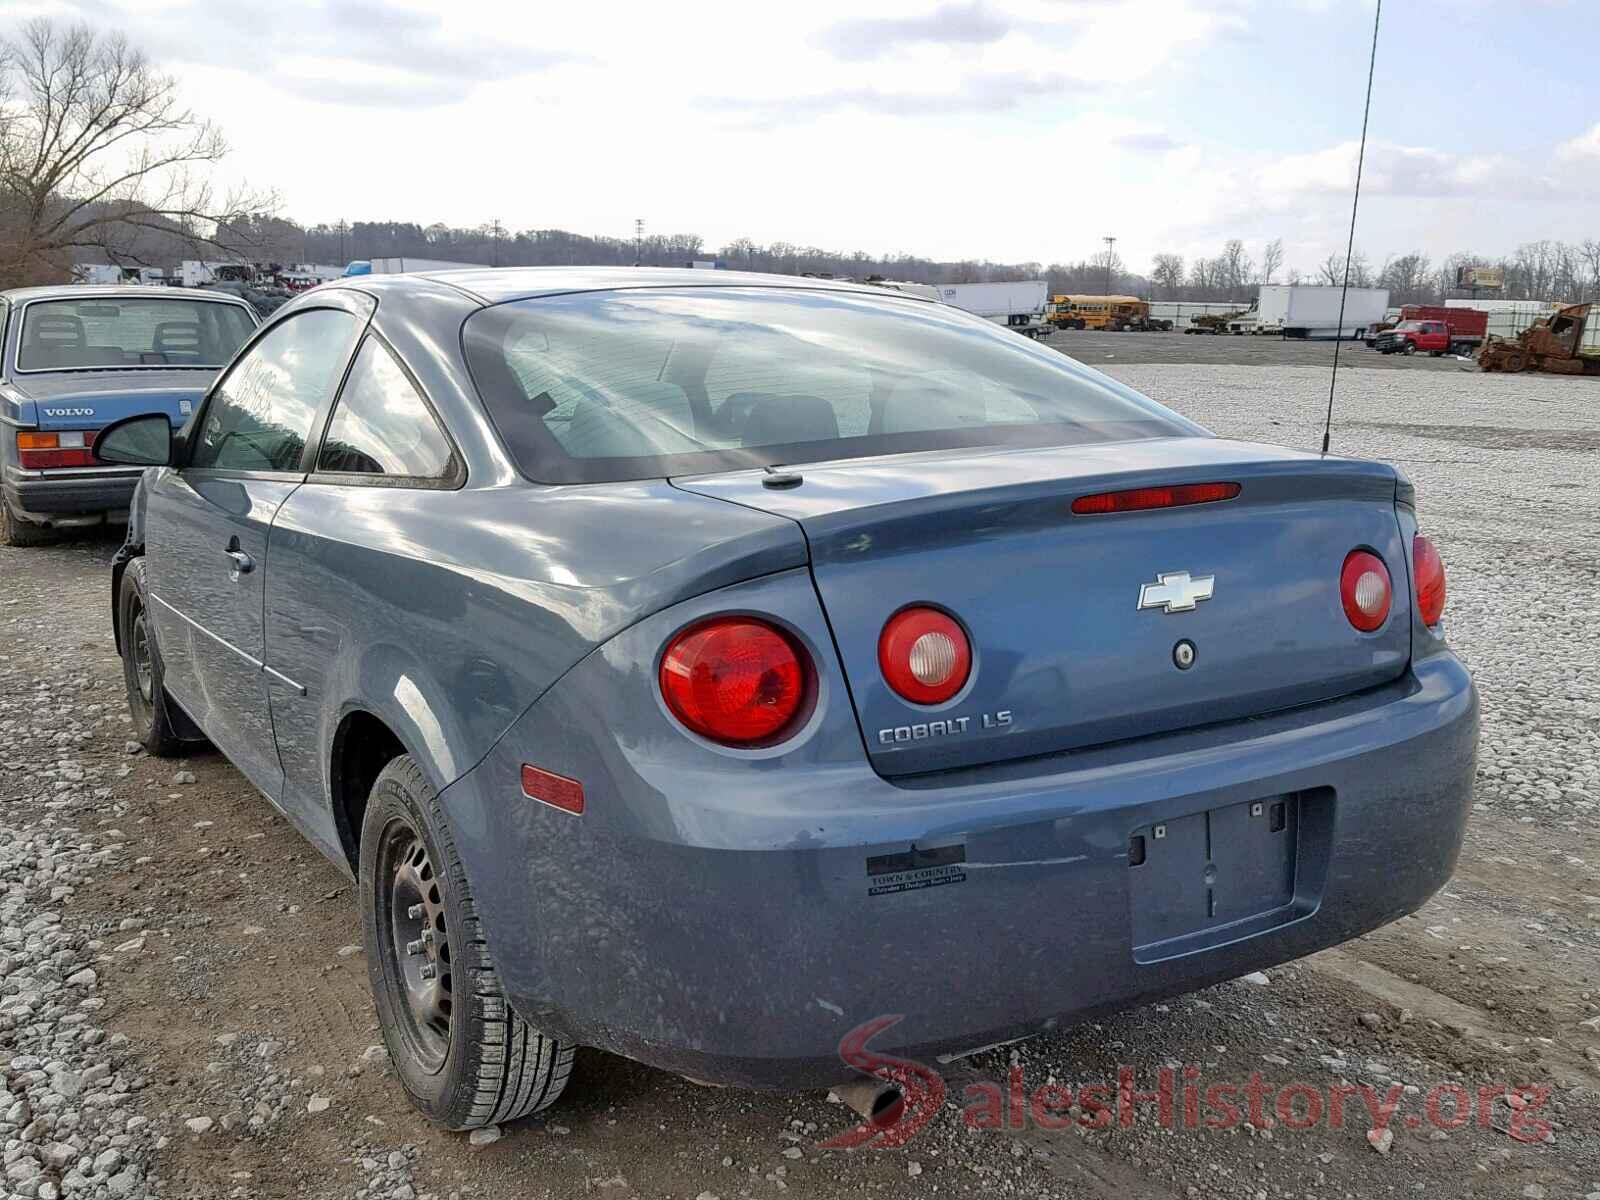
208	521
346	574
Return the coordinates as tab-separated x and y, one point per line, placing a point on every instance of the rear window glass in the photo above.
66	335
654	382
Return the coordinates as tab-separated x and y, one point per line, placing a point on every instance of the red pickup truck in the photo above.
1434	329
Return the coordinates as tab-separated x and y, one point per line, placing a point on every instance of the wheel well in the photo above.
119	567
362	747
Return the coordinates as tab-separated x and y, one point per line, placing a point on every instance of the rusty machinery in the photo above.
1554	344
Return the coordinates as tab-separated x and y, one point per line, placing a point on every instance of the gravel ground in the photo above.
183	1005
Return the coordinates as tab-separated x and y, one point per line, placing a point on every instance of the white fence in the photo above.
1182	312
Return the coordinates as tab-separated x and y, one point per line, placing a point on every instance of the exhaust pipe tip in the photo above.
880	1104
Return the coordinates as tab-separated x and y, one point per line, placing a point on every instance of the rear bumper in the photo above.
735	937
65	498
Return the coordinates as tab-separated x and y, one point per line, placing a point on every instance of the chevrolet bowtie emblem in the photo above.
1176	591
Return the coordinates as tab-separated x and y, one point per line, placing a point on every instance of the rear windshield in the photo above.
604	386
67	335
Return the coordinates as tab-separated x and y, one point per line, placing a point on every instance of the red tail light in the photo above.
924	655
1429	568
1137	499
735	680
40	451
1365	590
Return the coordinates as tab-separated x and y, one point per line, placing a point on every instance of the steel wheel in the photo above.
460	1051
139	647
418	947
149	706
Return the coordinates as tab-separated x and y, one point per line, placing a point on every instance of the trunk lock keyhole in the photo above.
1184	654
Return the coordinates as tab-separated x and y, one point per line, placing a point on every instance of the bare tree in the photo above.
1331	272
1166	271
1535	269
1235	267
97	152
1566	274
1204	276
1271	259
1589	254
1109	264
1444	281
1409	278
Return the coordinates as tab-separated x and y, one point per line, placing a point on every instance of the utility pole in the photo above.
342	228
1111	249
494	245
638	242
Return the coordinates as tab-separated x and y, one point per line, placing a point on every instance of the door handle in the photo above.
243	564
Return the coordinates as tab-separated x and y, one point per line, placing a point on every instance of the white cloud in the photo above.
1584	146
1389	170
880	124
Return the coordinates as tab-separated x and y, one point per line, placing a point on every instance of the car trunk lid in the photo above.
1064	656
93	400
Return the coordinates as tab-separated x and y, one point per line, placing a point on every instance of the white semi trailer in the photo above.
1312	311
1018	306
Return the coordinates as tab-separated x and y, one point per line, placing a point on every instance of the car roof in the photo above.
125	291
494	285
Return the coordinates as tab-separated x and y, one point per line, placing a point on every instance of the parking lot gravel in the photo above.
183	1003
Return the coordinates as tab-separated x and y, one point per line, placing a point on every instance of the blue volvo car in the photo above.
73	360
710	667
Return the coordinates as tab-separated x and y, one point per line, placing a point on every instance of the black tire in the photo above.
465	1059
17	532
142	672
1410	349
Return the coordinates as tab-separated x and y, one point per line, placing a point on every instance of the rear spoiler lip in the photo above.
1405	492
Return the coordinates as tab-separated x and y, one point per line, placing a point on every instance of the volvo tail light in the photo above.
736	680
1365	590
40	451
1429	569
924	655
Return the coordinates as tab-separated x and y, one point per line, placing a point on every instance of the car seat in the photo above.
781	420
177	339
53	341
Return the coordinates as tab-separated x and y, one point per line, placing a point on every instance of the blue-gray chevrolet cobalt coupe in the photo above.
706	666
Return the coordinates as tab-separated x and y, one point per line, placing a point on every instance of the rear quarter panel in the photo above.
447	613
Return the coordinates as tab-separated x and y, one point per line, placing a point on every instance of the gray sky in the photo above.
987	129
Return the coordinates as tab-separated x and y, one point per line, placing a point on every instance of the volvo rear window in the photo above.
120	332
648	383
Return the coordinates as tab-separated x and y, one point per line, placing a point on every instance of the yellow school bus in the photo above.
1115	313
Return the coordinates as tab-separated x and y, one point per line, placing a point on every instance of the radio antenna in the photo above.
1350	245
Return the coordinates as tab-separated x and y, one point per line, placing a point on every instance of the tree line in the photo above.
1540	270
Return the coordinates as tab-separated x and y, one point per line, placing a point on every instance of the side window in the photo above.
260	416
381	425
